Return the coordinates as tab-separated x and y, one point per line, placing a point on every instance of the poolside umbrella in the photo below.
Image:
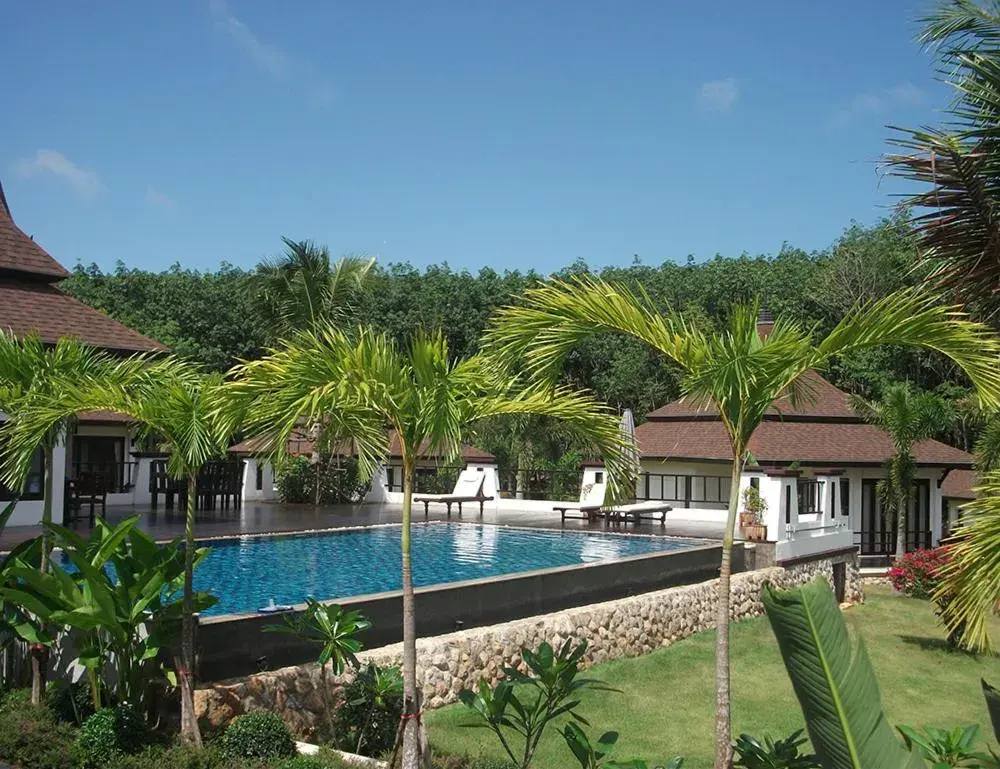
628	438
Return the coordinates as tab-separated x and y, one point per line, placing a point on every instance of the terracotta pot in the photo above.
747	519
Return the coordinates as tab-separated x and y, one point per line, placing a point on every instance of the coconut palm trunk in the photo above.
40	652
902	502
411	707
185	670
723	714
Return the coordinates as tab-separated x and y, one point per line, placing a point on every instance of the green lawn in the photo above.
666	705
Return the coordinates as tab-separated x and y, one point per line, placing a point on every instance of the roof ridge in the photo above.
19	253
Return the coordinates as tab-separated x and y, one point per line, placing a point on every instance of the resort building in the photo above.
816	464
98	456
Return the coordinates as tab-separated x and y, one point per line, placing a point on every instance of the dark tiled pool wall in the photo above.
238	646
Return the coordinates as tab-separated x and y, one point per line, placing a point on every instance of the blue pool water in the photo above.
247	573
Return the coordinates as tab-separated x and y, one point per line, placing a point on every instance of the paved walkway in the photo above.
265	517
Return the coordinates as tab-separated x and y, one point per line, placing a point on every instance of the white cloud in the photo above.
85	183
907	94
876	102
270	59
156	198
719	95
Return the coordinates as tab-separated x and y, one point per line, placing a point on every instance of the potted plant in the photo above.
752	517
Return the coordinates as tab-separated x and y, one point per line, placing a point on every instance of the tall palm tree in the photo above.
908	417
302	288
737	373
32	372
358	386
969	592
169	401
958	165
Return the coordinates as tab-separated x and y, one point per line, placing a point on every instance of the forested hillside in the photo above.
212	317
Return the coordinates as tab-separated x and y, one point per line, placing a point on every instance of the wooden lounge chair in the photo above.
468	488
589	507
649	510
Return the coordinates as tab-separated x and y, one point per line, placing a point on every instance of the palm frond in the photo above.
557	316
914	318
970	589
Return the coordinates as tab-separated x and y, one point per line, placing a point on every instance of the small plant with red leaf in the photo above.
917	574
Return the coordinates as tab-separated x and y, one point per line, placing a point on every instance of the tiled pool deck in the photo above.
273	517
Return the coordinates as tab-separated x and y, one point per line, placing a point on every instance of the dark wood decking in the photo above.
268	517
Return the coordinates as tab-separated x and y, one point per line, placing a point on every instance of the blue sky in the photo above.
506	133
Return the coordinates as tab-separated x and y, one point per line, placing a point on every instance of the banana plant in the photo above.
120	595
834	681
945	748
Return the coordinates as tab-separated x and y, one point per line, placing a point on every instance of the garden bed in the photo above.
666	707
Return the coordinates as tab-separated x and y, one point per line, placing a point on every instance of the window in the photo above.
598	477
34	487
845	497
810	497
755	482
260	476
390	477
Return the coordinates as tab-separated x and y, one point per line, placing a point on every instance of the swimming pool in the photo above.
249	572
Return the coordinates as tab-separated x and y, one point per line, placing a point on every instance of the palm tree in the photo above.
169	401
908	417
32	372
302	289
969	592
358	386
737	373
958	165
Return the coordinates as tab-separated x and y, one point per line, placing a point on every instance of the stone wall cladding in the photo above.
447	664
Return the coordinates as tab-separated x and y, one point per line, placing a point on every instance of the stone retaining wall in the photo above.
447	664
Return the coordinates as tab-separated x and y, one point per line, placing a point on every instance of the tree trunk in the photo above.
902	499
40	652
723	714
411	707
185	670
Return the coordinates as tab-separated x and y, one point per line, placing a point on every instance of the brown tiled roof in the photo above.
959	484
41	308
299	443
101	416
19	253
817	398
784	442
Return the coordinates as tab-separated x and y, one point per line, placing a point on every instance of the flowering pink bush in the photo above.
917	574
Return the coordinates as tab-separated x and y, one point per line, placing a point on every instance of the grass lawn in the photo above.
666	707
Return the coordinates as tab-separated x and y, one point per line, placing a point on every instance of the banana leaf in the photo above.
992	696
834	681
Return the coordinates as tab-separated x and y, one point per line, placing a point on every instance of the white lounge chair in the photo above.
468	488
589	507
640	511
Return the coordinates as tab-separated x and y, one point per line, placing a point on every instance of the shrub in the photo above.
111	732
258	735
304	762
751	753
182	757
71	702
297	477
916	574
32	738
367	718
